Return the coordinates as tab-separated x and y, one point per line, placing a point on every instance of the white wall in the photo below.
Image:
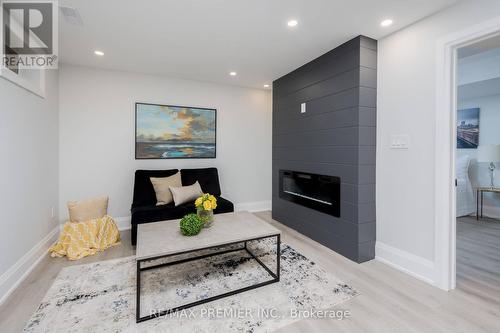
479	67
97	135
406	105
489	133
28	177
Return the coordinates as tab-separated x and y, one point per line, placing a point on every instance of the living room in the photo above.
319	137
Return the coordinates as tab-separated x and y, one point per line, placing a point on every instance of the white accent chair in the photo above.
465	193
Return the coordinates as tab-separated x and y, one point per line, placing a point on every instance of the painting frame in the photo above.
137	157
468	128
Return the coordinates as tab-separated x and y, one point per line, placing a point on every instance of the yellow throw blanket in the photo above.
81	239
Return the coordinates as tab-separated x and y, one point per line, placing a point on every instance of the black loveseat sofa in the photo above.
144	209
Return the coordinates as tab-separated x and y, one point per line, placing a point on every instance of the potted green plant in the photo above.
191	225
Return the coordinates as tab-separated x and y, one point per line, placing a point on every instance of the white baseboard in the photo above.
257	206
11	279
408	263
123	223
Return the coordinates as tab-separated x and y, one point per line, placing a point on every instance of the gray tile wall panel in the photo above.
334	85
337	137
333	62
368	58
367	116
367	97
286	123
345	136
368	43
368	77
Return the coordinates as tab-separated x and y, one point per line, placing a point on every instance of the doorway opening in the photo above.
450	49
476	158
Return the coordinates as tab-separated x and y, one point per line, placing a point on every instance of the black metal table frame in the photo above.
479	198
275	275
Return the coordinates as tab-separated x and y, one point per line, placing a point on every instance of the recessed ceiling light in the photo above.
292	23
266	86
233	73
386	23
98	53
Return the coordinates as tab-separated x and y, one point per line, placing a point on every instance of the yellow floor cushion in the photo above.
81	239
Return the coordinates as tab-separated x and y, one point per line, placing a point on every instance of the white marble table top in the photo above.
165	238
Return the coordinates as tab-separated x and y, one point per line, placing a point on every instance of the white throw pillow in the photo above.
185	194
162	188
86	210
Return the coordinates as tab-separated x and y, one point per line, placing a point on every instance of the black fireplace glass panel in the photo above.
318	192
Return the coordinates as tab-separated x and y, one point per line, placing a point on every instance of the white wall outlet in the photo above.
303	108
52	212
400	141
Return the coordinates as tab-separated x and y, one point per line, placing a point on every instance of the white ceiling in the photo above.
206	39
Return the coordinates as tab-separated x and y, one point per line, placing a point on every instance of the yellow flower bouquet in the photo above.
204	207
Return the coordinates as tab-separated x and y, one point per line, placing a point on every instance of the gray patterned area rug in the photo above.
100	297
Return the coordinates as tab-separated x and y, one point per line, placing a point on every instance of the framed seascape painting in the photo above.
169	131
468	128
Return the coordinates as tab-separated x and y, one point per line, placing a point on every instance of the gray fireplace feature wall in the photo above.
324	122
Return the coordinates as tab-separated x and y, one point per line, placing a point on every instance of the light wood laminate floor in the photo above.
390	301
478	258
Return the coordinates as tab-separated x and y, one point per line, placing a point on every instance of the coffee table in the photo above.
163	239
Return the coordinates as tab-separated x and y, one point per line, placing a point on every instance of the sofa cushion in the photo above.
223	206
162	188
144	193
207	177
185	194
155	213
146	214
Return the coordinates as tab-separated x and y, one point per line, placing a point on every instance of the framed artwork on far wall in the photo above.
468	128
172	132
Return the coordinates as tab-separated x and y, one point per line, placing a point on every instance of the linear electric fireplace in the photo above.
318	192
